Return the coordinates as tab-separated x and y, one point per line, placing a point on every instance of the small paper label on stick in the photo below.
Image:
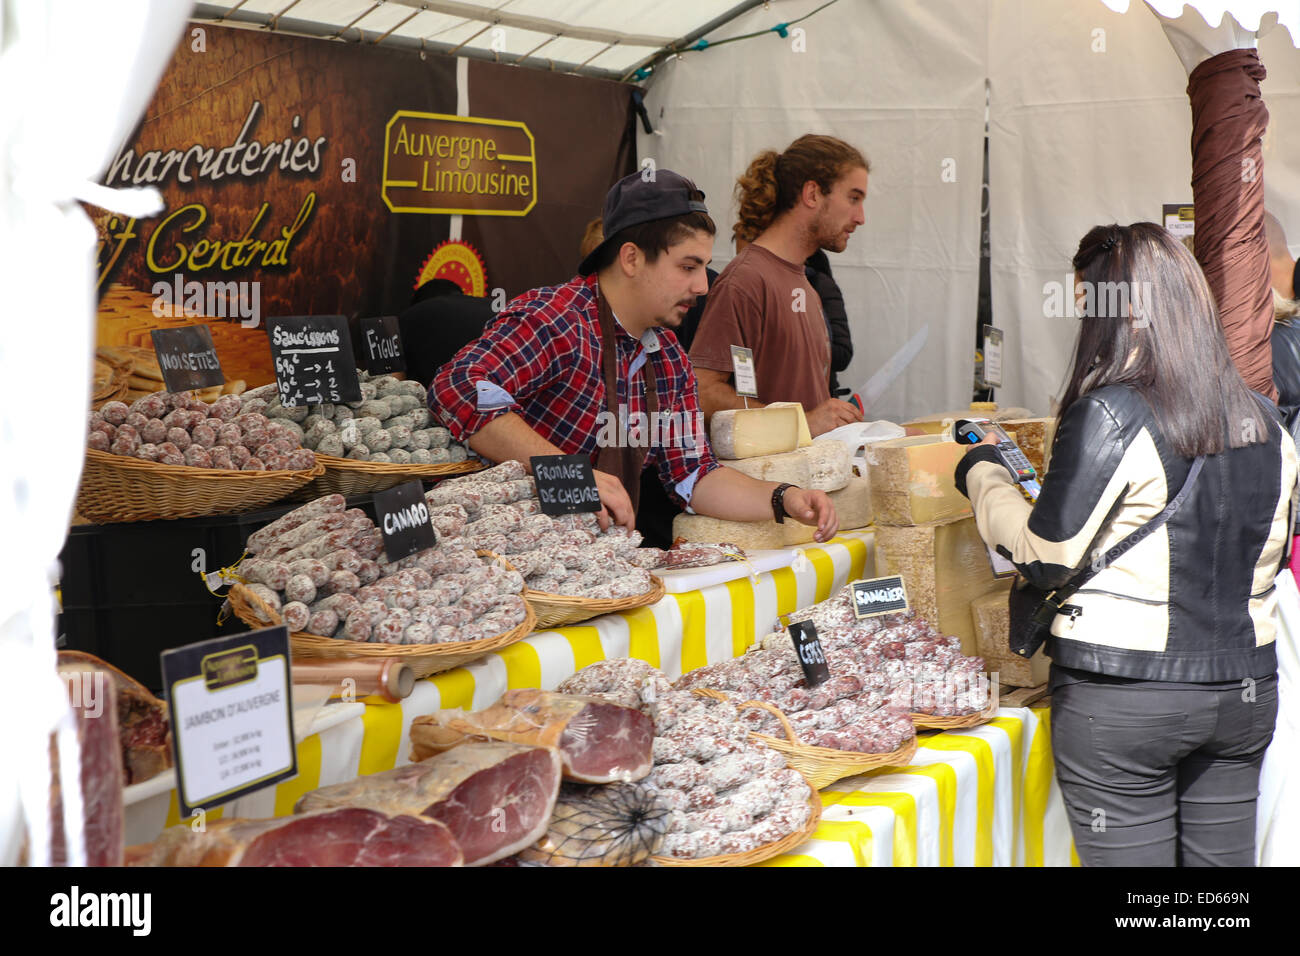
879	596
992	357
742	364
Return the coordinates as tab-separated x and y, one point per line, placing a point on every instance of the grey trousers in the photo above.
1162	775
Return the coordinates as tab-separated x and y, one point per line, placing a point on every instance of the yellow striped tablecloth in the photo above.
985	796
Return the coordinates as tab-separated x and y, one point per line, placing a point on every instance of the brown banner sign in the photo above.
302	177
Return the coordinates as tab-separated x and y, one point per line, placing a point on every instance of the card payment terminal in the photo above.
972	432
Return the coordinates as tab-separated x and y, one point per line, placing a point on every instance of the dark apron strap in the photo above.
623	462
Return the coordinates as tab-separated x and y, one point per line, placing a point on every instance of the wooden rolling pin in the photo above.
391	680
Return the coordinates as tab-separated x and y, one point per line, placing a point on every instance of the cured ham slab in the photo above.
495	797
94	709
141	717
599	742
346	837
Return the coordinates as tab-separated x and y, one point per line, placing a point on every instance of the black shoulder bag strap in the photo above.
1053	603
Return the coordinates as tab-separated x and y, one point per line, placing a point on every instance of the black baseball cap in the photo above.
643	197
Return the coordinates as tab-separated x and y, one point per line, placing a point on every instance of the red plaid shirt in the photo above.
543	351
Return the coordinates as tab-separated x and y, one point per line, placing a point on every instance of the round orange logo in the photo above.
458	261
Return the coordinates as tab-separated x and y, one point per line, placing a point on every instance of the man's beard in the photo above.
674	319
832	240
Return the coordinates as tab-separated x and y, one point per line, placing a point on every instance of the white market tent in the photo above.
1087	122
607	38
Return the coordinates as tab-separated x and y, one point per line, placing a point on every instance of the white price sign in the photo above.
231	711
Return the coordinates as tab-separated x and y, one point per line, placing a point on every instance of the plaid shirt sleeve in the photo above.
520	352
684	457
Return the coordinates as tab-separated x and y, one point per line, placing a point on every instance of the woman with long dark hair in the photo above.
1164	688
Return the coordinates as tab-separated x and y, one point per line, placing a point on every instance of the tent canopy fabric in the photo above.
1088	123
608	38
1253	15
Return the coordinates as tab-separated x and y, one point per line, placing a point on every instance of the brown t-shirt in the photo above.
765	303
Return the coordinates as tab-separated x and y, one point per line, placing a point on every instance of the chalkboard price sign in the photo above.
403	518
313	360
811	656
381	345
879	596
565	484
187	358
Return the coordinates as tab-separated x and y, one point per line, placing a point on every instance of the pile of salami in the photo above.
322	568
390	424
883	670
843	713
685	554
900	657
175	428
727	794
564	554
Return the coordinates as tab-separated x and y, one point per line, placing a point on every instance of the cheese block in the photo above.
747	535
793	466
939	423
912	480
992	622
821	466
945	566
853	503
750	432
829	465
805	436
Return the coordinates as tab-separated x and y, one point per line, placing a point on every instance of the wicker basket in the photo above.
931	722
560	610
424	659
117	488
820	766
347	477
761	853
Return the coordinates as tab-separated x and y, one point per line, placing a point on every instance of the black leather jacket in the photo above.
1286	363
1195	601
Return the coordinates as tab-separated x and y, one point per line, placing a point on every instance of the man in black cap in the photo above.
586	368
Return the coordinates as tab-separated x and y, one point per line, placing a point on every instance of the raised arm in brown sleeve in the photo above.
1228	123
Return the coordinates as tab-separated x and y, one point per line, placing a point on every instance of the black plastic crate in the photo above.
130	590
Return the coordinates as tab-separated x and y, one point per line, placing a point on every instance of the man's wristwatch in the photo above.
778	501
